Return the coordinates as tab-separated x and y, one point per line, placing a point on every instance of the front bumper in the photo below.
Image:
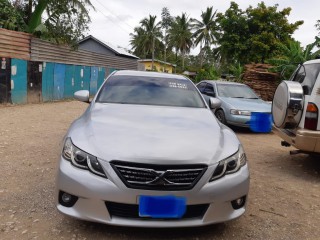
93	192
305	140
238	120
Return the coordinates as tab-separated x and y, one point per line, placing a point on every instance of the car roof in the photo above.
222	82
312	61
148	74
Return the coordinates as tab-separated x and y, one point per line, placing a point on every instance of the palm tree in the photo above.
166	21
293	54
152	33
205	30
138	42
180	36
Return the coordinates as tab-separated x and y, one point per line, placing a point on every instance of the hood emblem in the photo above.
160	178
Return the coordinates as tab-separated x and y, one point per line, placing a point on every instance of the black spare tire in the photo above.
287	105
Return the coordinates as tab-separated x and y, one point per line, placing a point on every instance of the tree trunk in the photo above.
183	55
165	45
201	55
29	11
152	53
35	19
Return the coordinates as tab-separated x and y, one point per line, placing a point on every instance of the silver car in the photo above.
238	101
148	152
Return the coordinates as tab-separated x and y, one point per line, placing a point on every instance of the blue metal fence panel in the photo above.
47	81
18	81
58	81
78	78
94	80
86	77
69	82
101	76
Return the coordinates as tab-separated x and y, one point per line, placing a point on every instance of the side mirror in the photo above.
214	103
82	95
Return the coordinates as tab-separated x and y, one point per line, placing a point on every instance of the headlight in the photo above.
81	159
240	112
230	165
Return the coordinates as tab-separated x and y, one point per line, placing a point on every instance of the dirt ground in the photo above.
284	198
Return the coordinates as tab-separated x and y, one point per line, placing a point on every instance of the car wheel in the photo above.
287	105
220	116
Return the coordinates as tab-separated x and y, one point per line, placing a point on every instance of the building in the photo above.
159	66
92	44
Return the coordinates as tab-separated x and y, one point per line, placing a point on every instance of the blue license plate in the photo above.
162	206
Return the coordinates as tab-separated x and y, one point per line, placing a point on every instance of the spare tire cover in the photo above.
287	104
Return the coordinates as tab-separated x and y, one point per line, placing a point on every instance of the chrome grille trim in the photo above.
158	177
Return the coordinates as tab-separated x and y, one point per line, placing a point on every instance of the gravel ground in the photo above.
283	201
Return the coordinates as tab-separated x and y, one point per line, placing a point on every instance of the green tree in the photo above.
267	28
152	31
138	42
166	21
10	17
292	54
233	43
180	36
205	31
253	35
64	21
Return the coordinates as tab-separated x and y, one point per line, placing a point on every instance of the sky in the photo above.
114	20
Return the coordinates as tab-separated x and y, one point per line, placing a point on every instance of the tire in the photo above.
221	116
287	105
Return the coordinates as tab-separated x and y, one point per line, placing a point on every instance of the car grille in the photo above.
132	211
158	177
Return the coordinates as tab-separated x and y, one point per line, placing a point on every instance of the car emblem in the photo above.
160	178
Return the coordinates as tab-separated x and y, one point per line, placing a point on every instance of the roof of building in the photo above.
159	61
116	50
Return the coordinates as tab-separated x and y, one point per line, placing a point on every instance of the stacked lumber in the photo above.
261	80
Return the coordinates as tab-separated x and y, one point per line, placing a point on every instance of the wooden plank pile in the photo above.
261	80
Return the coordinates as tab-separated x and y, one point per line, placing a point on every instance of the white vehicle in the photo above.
295	108
148	152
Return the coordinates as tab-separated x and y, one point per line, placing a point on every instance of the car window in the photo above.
201	86
209	91
236	91
150	91
307	76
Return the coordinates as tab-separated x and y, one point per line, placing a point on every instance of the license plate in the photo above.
162	206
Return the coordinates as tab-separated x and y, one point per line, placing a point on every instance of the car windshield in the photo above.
236	91
150	91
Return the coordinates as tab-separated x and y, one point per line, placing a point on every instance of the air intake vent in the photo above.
132	211
158	177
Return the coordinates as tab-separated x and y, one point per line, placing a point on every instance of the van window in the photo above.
307	76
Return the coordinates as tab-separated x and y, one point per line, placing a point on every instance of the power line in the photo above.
110	18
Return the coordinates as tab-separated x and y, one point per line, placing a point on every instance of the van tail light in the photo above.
311	120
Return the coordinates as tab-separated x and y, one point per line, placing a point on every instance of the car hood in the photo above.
253	105
153	134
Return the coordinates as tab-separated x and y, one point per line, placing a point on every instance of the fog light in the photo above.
238	203
66	199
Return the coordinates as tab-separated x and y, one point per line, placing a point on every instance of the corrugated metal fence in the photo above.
33	70
14	44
